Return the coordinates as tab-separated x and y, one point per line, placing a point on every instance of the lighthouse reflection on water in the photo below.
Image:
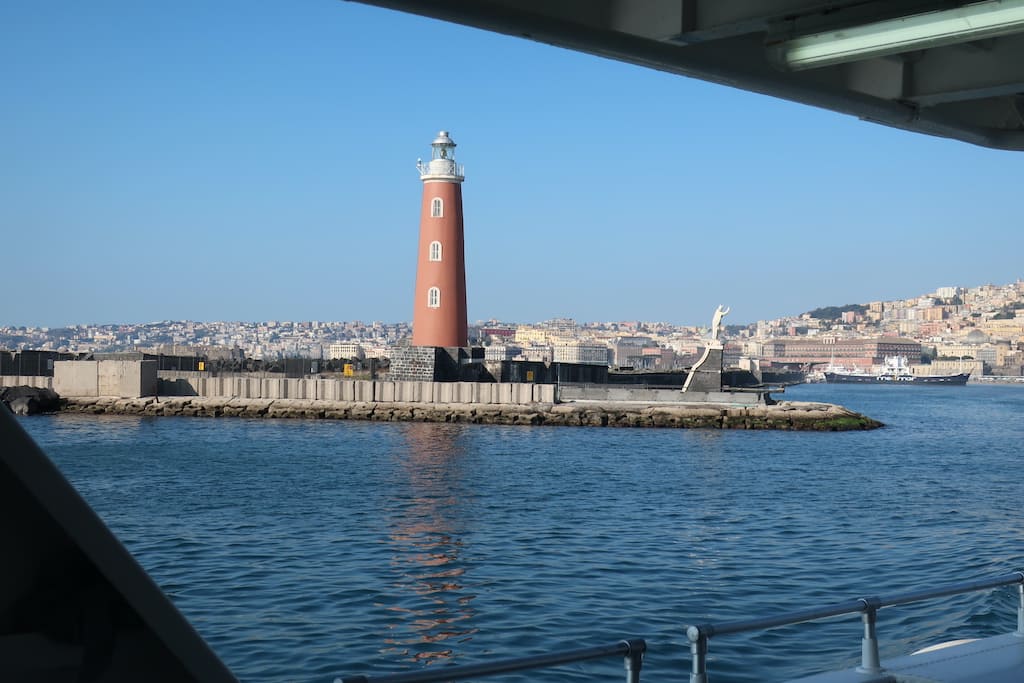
432	609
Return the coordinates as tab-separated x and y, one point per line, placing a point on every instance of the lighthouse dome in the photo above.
976	337
443	139
442	164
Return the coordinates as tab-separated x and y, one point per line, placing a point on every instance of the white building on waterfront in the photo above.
582	353
499	352
346	350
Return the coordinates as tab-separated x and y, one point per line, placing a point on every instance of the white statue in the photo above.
716	321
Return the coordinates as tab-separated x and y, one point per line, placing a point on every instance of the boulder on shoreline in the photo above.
784	415
26	400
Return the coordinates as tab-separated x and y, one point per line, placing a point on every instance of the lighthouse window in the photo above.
434	297
435	251
436	208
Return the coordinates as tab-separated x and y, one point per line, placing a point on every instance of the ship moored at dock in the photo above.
894	371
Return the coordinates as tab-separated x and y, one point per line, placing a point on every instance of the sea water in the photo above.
304	550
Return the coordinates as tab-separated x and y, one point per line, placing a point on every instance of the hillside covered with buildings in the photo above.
978	328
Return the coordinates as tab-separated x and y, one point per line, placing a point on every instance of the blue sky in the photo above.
255	160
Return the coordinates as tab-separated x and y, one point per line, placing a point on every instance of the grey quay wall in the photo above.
378	391
468	402
252	386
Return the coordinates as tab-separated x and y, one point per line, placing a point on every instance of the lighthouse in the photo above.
439	312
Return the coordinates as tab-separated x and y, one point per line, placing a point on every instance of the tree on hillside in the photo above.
836	312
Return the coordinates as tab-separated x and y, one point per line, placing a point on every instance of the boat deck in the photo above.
999	659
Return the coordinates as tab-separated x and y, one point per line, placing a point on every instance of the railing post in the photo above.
1020	607
869	660
698	654
634	659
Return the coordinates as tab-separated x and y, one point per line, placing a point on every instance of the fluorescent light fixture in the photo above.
978	20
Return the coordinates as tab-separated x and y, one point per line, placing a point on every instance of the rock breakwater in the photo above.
784	415
26	400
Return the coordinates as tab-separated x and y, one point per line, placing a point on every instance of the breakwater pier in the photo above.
120	389
784	415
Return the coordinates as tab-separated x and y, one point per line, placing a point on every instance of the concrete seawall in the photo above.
37	381
200	394
202	384
786	415
378	391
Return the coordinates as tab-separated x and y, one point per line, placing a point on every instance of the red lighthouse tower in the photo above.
439	314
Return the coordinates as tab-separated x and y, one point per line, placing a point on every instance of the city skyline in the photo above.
980	325
938	292
255	161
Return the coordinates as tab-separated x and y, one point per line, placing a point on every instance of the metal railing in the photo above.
866	607
631	651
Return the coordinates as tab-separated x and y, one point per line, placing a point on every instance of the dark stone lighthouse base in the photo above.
438	364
